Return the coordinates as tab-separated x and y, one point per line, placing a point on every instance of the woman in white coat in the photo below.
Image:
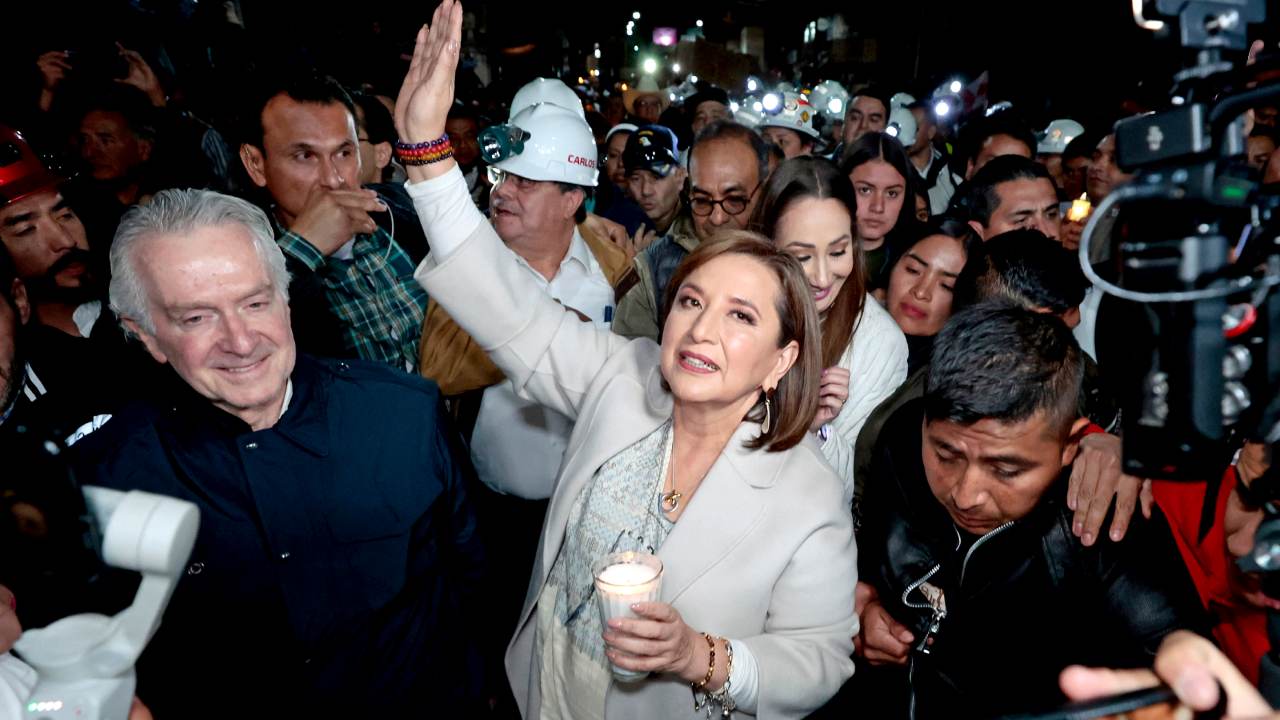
808	208
698	448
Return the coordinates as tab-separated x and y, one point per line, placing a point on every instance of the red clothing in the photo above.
1240	627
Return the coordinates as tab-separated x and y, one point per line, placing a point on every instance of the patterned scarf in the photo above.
616	512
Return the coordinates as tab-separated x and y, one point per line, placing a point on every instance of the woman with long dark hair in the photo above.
882	178
808	208
923	278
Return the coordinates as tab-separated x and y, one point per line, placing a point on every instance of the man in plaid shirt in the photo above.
353	292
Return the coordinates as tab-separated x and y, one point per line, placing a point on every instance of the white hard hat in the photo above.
546	90
549	143
789	110
902	99
1059	134
902	125
749	112
830	97
620	128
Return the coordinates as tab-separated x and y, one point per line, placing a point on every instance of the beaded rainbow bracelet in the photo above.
424	153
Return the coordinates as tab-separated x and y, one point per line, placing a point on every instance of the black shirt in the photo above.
336	550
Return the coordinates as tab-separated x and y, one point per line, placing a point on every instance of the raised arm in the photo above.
548	353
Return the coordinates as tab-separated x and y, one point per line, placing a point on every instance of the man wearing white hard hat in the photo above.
789	124
1052	142
546	90
542	165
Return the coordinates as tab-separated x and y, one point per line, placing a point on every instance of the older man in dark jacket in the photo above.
978	592
337	550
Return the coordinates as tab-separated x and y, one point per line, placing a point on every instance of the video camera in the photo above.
1193	248
1195	255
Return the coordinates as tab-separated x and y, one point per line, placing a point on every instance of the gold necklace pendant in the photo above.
671	501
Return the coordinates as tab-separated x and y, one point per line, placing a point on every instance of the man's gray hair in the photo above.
177	214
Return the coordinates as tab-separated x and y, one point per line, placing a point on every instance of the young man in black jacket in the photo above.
976	592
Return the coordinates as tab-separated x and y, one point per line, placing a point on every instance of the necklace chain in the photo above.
670	501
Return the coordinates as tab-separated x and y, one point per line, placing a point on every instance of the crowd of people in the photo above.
421	367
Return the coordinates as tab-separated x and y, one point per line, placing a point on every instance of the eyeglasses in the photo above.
732	205
497	177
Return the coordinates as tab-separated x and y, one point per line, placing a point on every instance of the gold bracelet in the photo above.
711	665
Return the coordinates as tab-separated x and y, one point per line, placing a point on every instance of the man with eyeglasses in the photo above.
542	165
727	165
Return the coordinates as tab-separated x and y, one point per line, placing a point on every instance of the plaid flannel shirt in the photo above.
374	295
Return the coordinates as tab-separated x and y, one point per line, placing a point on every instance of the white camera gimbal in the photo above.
85	662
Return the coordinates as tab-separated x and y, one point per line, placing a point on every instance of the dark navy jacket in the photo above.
336	549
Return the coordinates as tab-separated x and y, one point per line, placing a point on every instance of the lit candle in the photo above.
1080	208
623	579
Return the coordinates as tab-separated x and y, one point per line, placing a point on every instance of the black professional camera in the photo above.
1190	243
1193	255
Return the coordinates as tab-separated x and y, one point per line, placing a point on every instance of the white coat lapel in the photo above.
728	505
609	428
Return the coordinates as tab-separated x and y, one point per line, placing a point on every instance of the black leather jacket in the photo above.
1021	602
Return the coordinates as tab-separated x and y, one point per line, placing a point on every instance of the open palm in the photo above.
427	93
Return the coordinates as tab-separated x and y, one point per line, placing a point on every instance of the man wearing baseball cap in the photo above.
655	177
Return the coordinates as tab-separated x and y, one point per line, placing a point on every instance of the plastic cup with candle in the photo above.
623	579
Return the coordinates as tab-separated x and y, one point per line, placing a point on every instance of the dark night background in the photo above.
1051	59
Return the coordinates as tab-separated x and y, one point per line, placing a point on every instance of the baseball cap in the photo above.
653	148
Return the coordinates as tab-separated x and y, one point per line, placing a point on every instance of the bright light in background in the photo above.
664	36
635	48
733	106
751	85
699	23
891	131
757	106
595	72
597	53
635	15
675	67
835	106
955	86
942	109
629	32
650	66
693	78
771	102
